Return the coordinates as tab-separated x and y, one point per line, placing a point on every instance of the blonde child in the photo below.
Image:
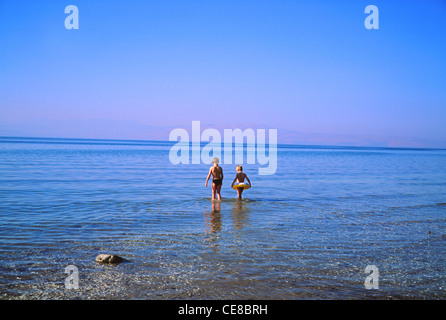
240	178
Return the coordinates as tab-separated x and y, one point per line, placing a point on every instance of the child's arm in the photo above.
207	179
247	179
234	181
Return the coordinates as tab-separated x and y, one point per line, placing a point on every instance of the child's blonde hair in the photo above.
239	168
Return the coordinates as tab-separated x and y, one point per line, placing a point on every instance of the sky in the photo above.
311	69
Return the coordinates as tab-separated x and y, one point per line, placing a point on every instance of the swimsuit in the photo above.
217	182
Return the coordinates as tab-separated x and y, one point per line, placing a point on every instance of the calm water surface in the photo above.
307	232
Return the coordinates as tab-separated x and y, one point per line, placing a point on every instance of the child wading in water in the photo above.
217	178
240	178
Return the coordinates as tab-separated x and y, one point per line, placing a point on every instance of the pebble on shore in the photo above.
108	258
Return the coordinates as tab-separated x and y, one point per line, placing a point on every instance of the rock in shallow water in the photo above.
108	258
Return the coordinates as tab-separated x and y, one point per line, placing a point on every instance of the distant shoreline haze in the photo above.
132	130
167	143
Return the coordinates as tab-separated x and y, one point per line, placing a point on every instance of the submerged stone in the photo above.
108	258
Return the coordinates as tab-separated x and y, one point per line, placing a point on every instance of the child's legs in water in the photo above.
218	188
214	189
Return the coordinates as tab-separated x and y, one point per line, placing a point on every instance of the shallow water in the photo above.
306	232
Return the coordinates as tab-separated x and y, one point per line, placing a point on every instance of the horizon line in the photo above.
332	146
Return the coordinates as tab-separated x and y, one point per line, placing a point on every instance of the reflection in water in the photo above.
240	213
213	224
213	219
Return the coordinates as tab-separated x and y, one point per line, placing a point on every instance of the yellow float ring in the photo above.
241	185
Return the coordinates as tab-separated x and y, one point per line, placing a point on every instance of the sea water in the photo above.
307	232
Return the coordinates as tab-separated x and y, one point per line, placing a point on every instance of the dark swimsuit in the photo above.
217	182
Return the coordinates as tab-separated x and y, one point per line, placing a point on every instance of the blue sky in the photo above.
307	68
